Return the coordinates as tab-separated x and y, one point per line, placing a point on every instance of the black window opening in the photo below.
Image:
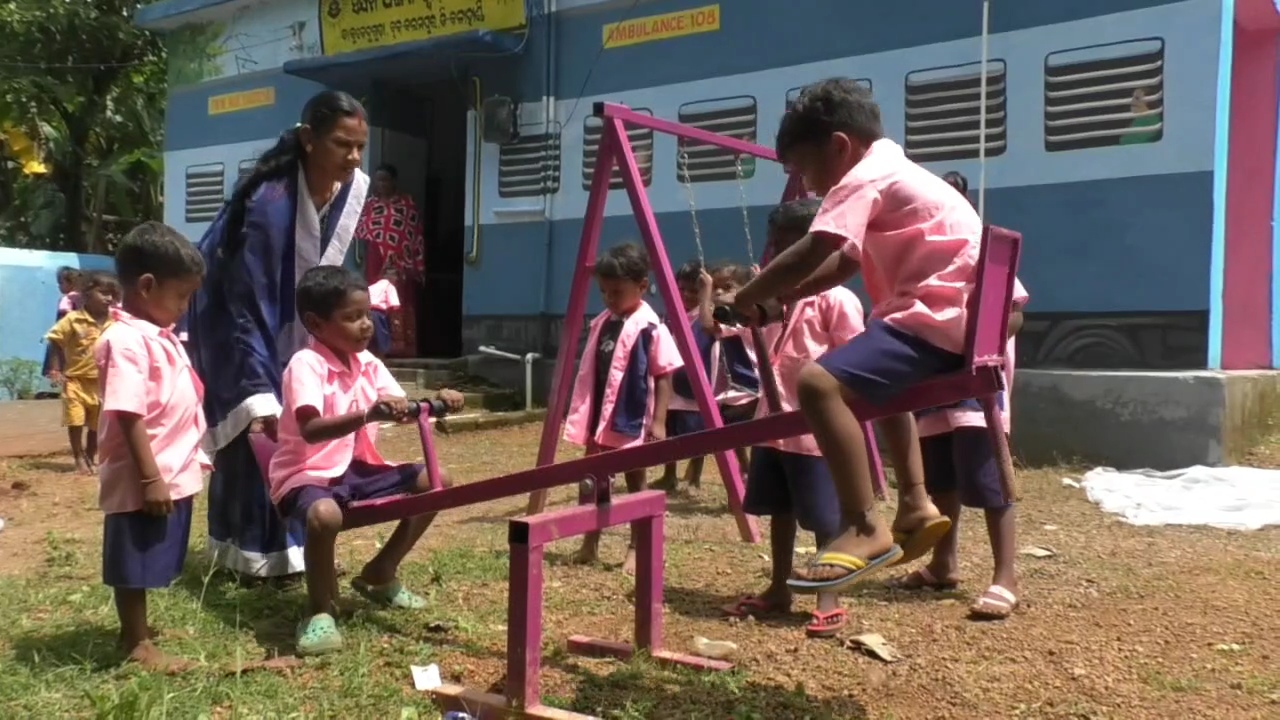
698	162
944	112
641	145
529	166
1104	95
794	92
206	192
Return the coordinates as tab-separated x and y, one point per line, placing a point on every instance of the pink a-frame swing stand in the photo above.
615	147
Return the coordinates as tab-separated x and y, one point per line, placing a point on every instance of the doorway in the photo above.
424	135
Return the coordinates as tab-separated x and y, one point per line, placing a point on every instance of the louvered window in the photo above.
1104	95
736	117
205	192
794	92
641	144
529	166
944	112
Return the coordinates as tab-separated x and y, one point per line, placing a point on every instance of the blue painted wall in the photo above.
29	297
1118	229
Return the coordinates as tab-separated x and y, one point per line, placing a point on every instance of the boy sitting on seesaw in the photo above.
788	479
623	388
917	243
335	393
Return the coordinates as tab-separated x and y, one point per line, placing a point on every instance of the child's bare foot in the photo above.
872	543
149	657
666	483
930	577
629	563
586	556
773	601
82	466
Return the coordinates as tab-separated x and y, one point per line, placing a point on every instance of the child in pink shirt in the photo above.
334	395
789	480
152	423
383	299
961	470
623	388
917	242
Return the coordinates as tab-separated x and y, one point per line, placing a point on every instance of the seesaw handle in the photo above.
726	315
424	410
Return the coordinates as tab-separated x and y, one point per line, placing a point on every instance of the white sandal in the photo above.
995	603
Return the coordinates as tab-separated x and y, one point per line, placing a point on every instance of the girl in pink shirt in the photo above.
623	388
335	393
788	479
383	299
150	432
917	242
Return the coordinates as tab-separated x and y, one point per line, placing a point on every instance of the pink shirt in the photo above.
921	237
812	326
316	378
383	296
143	370
68	302
944	421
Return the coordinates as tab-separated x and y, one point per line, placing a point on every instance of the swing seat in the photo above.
986	339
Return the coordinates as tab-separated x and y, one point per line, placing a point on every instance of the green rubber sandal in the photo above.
318	635
392	595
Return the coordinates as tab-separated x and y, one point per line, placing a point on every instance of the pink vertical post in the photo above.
429	449
524	624
571	330
634	183
649	564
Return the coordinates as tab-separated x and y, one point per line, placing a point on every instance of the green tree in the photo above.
89	86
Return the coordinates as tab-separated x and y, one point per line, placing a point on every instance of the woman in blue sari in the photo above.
298	208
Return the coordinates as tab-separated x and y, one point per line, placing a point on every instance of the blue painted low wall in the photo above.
29	297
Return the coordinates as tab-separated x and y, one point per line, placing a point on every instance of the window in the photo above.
944	113
735	117
641	144
1104	95
205	192
794	92
246	167
529	166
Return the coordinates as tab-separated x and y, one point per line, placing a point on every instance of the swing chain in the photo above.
693	208
746	219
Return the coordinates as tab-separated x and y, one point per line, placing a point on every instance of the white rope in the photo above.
746	219
982	118
693	208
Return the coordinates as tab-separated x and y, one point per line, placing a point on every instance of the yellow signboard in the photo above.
662	27
349	25
244	100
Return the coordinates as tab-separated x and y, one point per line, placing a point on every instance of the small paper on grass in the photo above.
875	645
714	649
426	677
1038	551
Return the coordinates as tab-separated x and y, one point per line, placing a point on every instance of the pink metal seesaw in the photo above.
982	377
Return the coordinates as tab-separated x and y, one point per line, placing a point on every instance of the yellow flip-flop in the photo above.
917	543
858	568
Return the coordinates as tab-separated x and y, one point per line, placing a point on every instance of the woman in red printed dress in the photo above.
390	231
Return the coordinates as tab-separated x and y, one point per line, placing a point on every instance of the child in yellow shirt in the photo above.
75	335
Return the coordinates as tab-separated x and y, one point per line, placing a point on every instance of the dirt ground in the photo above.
1121	621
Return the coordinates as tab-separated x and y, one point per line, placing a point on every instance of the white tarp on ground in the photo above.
1231	498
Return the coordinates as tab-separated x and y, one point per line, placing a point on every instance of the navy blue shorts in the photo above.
145	552
782	483
381	341
963	461
883	361
361	481
684	422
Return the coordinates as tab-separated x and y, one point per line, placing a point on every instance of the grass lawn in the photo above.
1122	622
